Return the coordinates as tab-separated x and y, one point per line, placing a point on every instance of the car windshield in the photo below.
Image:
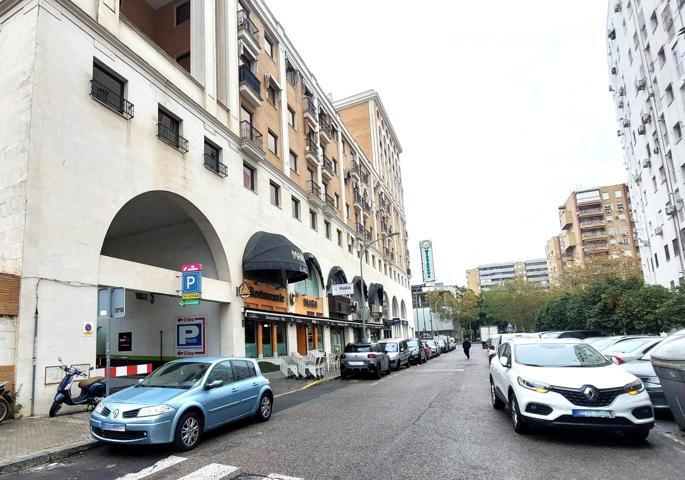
357	348
176	375
602	343
559	355
628	345
413	343
390	347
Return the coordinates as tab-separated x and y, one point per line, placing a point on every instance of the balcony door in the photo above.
245	115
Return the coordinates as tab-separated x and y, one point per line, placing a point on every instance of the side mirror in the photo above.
140	380
504	361
214	384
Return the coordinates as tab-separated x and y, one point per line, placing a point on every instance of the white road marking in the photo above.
276	476
442	370
213	471
156	467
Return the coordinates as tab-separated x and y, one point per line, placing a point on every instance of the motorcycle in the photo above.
92	390
6	400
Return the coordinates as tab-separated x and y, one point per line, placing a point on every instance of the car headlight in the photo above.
100	407
156	410
534	386
635	387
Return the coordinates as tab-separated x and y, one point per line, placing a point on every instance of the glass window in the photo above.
291	117
293	161
310	337
253	370
182	13
271	94
296	207
391	347
281	338
272	142
627	345
310	285
328	229
241	370
337	339
559	355
269	47
312	219
319	338
109	89
183	375
250	339
221	371
267	347
275	194
248	177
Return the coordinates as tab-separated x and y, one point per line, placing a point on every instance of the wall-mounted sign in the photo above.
125	341
191	283
427	266
342	289
88	328
190	336
263	297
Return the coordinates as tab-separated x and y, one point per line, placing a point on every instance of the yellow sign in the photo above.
190	296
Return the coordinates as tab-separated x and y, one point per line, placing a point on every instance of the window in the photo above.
676	247
184	61
327	226
271	94
347	210
620	207
108	88
182	13
241	370
612	231
366	256
662	174
312	220
268	46
337	201
607	208
624	230
295	203
293	161
618	194
275	191
669	94
667	253
272	142
340	237
605	196
291	117
213	159
661	56
169	130
677	132
221	371
656	260
248	177
653	22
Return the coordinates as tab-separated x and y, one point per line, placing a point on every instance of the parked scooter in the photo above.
6	400
92	390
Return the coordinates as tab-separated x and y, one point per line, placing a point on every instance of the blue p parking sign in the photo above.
190	336
191	282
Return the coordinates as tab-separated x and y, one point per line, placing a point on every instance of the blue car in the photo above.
182	399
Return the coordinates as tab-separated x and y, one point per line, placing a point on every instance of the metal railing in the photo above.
249	133
292	77
309	107
212	163
313	187
245	23
111	99
312	147
589	211
585	236
330	201
326	125
246	76
328	165
172	137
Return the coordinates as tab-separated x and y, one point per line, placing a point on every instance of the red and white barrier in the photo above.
125	371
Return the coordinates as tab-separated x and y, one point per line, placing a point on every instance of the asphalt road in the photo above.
434	421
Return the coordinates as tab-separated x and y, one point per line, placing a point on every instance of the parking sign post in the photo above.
111	304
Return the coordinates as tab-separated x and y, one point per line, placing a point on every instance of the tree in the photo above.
517	302
672	311
578	278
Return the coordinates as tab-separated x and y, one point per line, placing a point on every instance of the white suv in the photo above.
566	382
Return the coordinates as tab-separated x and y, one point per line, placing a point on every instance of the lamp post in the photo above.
365	246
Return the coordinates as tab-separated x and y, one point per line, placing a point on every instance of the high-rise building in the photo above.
595	223
486	277
646	80
143	135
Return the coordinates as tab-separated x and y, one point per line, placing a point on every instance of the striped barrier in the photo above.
125	371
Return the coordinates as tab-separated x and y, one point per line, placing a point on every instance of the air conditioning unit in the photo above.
613	70
670	209
353	306
641	129
640	84
655	149
617	7
619	133
622	91
646	163
659	231
620	104
646	118
625	122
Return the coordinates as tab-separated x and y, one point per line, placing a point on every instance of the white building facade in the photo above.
647	82
120	161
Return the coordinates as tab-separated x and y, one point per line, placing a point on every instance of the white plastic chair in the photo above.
288	367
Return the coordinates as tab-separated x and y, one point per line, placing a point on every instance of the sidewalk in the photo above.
36	440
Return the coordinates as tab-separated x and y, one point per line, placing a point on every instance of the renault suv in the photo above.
567	383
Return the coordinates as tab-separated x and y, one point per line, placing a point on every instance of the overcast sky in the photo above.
502	109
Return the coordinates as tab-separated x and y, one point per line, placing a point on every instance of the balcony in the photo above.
251	141
363	232
569	242
358	201
328	170
312	151
329	205
595	247
309	111
213	164
595	223
111	100
587	212
354	171
594	234
172	137
250	86
566	219
325	128
314	193
248	33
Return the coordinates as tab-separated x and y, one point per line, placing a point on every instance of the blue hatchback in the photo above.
182	399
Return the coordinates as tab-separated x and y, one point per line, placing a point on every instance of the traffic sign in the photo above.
191	282
190	296
190	336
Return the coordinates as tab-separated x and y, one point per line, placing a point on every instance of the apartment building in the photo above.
646	80
595	224
143	135
486	277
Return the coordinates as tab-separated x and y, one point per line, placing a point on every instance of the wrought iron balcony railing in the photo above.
172	137
244	23
246	76
249	133
212	163
111	99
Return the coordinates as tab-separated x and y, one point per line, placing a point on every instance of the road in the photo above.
434	421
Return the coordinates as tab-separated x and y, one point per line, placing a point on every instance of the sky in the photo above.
502	111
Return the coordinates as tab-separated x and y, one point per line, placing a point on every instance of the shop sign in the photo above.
405	323
125	341
427	261
263	297
190	336
342	289
396	321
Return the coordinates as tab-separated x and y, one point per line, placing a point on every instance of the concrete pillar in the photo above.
260	345
274	338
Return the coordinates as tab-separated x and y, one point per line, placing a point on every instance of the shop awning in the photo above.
335	277
264	316
376	294
311	260
272	258
356	281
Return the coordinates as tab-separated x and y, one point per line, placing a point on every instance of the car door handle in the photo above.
254	384
234	389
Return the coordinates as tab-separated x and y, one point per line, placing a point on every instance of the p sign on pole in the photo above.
111	304
191	283
190	336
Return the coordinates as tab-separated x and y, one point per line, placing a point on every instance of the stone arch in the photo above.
403	310
395	308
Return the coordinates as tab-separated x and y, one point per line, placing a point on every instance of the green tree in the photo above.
517	302
671	312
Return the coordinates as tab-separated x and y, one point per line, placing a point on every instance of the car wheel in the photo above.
408	363
388	371
188	432
636	437
516	418
378	374
4	409
55	408
265	407
496	402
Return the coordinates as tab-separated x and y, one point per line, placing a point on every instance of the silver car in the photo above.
364	358
398	352
630	349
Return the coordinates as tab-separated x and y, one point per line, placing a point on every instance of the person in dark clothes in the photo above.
467	347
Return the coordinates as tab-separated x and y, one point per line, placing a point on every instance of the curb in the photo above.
308	385
45	456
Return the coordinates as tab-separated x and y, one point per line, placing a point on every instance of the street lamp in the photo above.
365	246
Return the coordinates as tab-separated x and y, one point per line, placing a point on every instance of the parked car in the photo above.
435	348
364	358
417	355
442	345
629	349
427	350
600	343
496	340
669	365
567	383
183	399
579	334
452	343
398	352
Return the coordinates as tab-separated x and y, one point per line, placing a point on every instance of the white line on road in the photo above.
282	477
213	471
441	370
158	466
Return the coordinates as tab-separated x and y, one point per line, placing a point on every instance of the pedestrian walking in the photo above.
467	347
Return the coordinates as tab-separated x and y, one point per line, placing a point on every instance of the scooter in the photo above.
92	390
6	400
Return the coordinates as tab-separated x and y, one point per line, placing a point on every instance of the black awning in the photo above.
311	260
356	281
376	294
335	277
272	258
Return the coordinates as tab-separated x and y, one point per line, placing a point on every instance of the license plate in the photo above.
114	427
593	413
356	363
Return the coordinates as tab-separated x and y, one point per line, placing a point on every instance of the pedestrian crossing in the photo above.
162	469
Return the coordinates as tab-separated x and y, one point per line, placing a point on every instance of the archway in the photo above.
403	310
395	308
